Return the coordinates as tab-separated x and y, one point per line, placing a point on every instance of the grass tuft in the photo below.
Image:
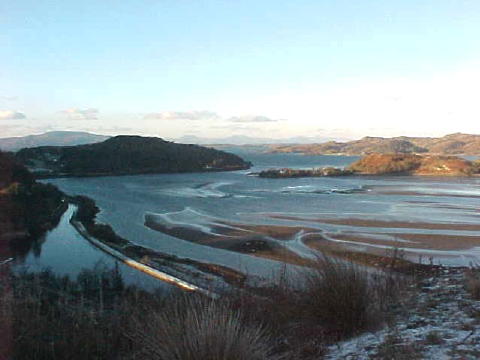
194	328
341	295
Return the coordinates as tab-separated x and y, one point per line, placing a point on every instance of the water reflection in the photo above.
67	253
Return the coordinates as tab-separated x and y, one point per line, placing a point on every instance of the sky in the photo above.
262	68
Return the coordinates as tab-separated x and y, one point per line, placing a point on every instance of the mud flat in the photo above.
368	249
243	222
268	241
291	243
357	222
182	272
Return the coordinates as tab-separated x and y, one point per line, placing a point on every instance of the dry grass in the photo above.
96	317
194	328
6	306
332	301
57	318
342	296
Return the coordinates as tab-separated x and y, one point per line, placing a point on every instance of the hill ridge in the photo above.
450	144
127	155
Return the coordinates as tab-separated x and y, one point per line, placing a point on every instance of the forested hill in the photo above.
124	155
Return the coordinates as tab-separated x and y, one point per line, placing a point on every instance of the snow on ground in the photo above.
441	321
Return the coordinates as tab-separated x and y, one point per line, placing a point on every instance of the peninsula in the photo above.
126	155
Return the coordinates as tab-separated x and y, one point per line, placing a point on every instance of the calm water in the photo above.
194	200
66	252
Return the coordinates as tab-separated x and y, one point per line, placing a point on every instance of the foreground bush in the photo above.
54	317
331	301
195	328
342	296
96	317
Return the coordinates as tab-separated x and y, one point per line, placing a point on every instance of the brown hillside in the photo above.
412	164
453	144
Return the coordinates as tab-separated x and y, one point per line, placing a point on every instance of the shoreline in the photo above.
290	173
137	265
150	261
90	175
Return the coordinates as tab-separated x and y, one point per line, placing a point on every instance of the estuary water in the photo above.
65	252
431	219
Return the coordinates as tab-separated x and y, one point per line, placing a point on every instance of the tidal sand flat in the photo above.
269	241
251	224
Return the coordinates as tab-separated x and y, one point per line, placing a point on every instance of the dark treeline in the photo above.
27	208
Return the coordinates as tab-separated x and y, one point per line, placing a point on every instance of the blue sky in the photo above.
261	68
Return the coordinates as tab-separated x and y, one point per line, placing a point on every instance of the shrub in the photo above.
342	296
51	317
194	328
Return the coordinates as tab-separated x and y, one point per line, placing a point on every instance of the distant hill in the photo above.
52	138
248	140
124	155
453	144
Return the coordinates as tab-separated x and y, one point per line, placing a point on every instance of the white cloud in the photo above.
81	114
9	98
235	127
182	115
429	104
11	115
251	119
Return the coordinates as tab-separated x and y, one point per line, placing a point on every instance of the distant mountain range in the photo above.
453	144
126	155
52	138
247	140
71	138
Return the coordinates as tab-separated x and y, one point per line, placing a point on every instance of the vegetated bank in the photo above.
206	276
293	173
341	312
27	208
388	164
127	155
